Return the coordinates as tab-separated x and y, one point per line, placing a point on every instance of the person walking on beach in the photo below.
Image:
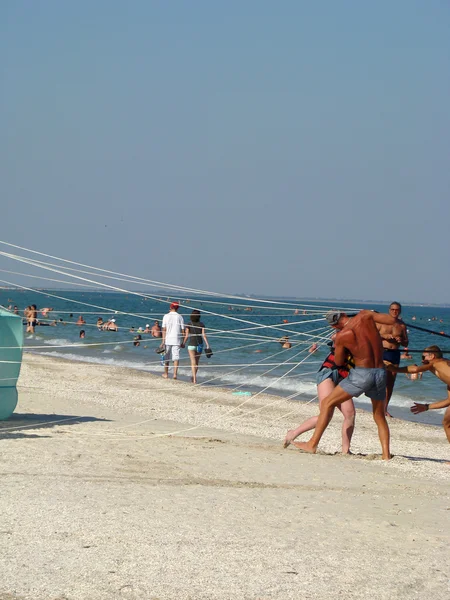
359	336
328	377
195	335
392	336
172	336
432	360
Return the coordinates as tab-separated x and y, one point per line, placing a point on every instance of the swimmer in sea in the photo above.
414	376
156	330
285	343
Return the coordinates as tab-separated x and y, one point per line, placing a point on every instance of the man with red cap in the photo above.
172	338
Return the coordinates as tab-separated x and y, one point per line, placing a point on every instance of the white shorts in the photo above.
172	353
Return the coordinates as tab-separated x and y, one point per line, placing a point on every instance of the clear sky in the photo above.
282	148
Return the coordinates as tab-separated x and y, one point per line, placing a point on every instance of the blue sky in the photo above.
291	148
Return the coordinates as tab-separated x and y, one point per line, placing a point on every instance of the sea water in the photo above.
247	354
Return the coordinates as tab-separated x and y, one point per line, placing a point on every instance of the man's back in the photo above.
360	337
173	323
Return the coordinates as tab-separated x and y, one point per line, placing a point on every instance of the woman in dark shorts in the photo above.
194	336
328	377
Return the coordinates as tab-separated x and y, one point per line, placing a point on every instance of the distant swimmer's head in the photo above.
174	306
430	353
334	318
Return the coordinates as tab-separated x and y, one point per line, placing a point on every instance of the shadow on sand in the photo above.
424	459
15	426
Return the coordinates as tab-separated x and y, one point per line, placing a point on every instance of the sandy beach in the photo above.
118	484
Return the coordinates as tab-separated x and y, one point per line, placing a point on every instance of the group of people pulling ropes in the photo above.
365	360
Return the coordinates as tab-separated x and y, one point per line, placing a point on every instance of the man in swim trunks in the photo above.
432	360
392	336
359	336
32	318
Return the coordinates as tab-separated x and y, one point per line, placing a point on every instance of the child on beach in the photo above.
432	360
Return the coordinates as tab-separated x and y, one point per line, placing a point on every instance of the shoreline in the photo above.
264	415
400	413
119	484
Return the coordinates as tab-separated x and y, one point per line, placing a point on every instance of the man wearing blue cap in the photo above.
359	336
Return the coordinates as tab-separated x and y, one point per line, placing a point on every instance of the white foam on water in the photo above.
59	342
291	385
271	383
100	361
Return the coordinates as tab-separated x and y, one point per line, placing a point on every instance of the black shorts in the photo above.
392	356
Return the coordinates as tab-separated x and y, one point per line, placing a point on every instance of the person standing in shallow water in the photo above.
359	336
156	330
194	336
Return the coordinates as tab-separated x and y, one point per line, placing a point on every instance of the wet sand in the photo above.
118	484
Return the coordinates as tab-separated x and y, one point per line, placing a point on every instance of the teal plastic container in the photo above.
11	348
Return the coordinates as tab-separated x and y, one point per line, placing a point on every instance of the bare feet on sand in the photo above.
290	437
305	447
165	376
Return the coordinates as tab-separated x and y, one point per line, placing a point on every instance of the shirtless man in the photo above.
32	318
359	336
432	360
393	336
156	330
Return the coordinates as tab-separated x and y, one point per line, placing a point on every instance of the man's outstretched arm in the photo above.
409	368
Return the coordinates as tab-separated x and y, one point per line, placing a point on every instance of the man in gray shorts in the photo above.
371	382
359	336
